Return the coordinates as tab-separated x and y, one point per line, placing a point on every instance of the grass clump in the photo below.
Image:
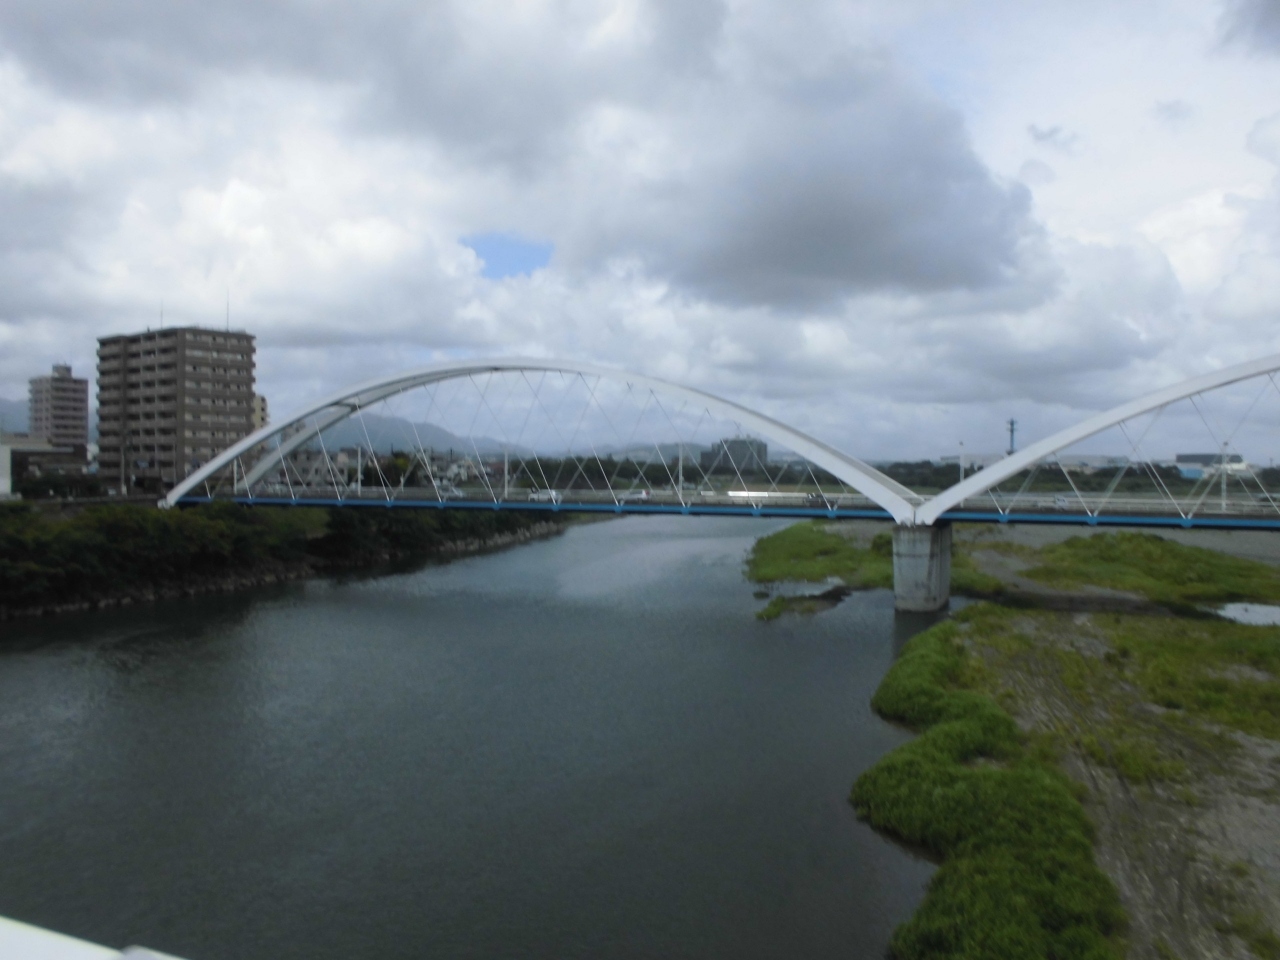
1017	878
810	553
1159	569
1133	755
1215	670
968	580
1253	930
780	605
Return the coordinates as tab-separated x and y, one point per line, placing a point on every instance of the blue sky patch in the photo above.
507	255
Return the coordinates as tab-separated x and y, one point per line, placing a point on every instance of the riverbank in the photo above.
119	555
1104	659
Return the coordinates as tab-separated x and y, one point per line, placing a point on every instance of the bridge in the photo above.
560	436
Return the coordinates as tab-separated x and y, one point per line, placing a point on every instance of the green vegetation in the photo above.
123	550
1131	751
1215	670
1148	704
812	553
967	580
1017	877
805	604
1159	569
1018	651
1252	929
809	552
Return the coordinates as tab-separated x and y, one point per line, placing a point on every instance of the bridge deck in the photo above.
739	506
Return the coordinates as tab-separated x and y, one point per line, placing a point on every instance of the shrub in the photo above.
1017	878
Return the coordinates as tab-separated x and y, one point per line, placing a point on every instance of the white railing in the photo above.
21	941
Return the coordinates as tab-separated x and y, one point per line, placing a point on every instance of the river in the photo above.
582	747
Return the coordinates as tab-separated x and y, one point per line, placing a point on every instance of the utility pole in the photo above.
1222	470
1013	426
961	459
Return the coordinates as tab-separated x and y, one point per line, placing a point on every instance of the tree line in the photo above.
122	550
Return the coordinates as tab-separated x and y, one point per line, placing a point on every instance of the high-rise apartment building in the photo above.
59	409
169	401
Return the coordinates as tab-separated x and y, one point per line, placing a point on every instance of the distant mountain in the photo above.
385	434
665	452
13	416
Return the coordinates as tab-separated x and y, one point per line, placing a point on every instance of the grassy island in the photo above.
1018	878
819	551
1097	769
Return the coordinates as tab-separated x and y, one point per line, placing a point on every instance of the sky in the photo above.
894	225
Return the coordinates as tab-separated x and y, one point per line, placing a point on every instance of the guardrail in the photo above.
22	941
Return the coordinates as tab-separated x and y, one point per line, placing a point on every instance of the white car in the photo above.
450	492
546	496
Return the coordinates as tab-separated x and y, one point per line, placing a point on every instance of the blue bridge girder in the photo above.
1206	521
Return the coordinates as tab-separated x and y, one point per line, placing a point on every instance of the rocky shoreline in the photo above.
305	569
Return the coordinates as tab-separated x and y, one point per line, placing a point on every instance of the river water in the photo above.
582	747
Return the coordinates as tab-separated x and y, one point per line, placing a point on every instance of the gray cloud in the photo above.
759	201
796	204
1036	173
41	273
1173	111
502	88
787	187
1254	24
1054	137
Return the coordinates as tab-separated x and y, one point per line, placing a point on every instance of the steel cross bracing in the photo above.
561	435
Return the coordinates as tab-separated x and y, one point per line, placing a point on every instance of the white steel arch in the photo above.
895	498
928	512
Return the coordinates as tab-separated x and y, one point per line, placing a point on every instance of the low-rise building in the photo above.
1193	466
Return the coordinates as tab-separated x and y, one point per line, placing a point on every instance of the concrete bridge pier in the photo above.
922	567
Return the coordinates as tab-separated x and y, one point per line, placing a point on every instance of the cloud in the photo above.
1253	24
1249	293
1036	173
1173	111
771	203
796	200
715	170
1054	137
497	83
